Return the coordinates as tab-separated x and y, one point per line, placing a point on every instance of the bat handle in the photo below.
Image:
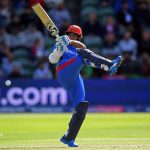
57	36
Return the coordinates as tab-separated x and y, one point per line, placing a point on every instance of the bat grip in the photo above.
57	36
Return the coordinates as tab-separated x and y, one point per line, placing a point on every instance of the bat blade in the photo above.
46	20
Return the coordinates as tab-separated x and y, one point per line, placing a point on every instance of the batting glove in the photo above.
64	40
57	53
61	48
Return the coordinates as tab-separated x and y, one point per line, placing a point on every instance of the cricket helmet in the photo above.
75	29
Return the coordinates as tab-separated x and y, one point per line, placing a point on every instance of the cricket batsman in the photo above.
71	55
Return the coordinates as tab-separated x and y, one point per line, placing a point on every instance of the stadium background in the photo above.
110	28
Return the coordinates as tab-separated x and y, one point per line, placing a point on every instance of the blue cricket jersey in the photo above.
68	74
71	53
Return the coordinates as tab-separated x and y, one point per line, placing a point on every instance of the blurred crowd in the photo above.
110	28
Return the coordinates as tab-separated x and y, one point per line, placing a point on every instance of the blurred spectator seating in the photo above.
23	56
110	26
125	15
118	5
144	44
86	11
5	12
128	45
32	34
144	65
104	10
143	13
130	66
16	37
32	2
87	3
93	43
60	15
92	25
110	48
42	71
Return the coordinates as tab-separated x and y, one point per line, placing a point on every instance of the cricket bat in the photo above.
46	20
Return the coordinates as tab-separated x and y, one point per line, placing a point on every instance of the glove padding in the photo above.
57	53
64	40
61	48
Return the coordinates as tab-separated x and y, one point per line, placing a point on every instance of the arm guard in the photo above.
55	56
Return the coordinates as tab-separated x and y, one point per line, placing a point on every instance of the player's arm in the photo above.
77	44
66	41
97	61
57	53
60	48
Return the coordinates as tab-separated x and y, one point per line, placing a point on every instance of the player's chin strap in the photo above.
94	60
76	121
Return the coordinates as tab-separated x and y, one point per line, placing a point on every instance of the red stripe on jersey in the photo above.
60	67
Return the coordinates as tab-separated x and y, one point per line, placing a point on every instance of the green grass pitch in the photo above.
116	131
